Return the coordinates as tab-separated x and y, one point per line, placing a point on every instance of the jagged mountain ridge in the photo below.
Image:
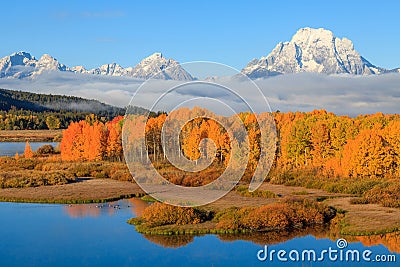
309	50
23	65
312	50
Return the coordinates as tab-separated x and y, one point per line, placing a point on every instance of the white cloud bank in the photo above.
341	94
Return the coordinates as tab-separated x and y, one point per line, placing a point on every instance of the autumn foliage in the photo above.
28	153
339	146
87	140
275	216
160	214
330	145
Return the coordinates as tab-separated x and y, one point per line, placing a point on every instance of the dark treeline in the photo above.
30	111
28	120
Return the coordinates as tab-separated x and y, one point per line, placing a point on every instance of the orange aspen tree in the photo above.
28	153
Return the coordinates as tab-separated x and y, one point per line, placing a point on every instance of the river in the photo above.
10	148
98	235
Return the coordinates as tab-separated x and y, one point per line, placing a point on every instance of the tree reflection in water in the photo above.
136	205
175	241
82	210
390	241
170	241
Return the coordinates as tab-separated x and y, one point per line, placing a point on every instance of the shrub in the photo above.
386	194
45	150
159	214
231	218
122	175
16	179
276	216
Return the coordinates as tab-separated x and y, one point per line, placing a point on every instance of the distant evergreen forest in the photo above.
30	111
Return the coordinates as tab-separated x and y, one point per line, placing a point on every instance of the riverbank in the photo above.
354	219
351	219
30	135
366	219
83	191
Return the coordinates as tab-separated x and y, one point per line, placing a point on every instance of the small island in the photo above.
165	219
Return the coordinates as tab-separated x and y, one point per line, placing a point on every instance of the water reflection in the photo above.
270	238
136	207
80	211
391	241
170	241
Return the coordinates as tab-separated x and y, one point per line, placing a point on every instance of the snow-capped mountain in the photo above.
309	50
48	63
162	68
312	50
17	65
23	65
112	69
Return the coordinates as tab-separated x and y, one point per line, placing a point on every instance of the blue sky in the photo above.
92	33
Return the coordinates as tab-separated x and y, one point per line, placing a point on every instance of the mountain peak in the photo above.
22	64
156	66
22	54
157	55
45	57
309	35
47	62
312	50
10	66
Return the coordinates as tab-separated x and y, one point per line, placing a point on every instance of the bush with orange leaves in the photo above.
276	216
160	214
387	194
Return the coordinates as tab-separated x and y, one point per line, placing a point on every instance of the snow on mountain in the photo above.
157	66
396	70
309	50
112	69
48	63
17	65
79	69
312	50
23	65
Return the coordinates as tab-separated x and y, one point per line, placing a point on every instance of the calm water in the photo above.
86	235
10	148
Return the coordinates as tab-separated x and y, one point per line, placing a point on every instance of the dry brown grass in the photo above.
366	219
359	219
30	135
87	190
233	198
293	191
